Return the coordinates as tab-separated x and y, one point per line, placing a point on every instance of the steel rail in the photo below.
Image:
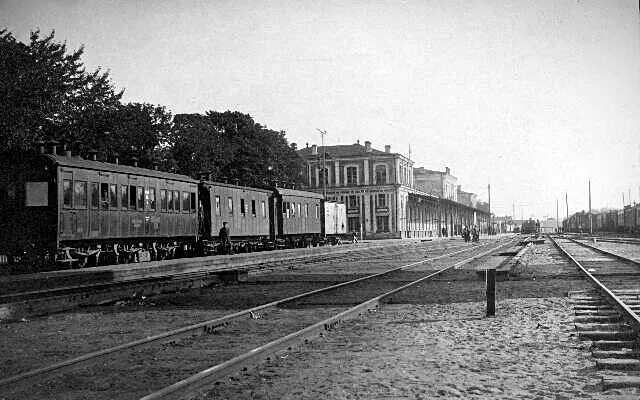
191	385
202	328
606	252
627	313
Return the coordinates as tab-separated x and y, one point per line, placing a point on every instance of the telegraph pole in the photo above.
566	199
590	219
557	215
489	190
324	162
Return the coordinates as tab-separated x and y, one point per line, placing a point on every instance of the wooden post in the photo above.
491	292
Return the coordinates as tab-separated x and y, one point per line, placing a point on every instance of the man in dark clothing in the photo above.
223	236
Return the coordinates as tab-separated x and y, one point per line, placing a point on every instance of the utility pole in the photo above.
557	215
324	162
566	199
623	200
590	218
489	190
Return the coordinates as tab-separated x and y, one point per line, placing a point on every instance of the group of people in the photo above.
470	235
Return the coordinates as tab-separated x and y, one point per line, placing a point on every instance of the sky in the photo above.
535	97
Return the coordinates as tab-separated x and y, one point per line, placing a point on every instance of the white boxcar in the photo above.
335	218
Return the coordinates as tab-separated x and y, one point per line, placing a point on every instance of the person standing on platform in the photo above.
223	236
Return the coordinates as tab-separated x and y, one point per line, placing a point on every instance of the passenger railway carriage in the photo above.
60	211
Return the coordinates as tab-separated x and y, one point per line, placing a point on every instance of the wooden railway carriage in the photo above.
244	209
84	210
297	217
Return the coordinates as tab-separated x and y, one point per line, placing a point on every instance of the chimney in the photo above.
447	171
387	148
314	149
367	146
134	161
307	145
67	151
52	146
92	154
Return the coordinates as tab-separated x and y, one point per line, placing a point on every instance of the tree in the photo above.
232	145
46	93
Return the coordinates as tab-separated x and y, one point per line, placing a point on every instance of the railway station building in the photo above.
384	196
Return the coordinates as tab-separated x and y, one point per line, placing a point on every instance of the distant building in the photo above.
381	194
467	198
441	184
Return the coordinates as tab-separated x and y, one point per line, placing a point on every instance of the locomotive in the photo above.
530	226
62	211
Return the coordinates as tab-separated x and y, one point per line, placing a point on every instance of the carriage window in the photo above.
264	209
242	210
80	194
140	198
193	202
293	210
124	197
317	211
113	196
95	195
66	193
186	205
176	200
132	197
217	205
253	208
306	210
170	199
150	199
299	214
163	199
230	205
104	196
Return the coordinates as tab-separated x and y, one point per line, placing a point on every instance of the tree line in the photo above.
46	93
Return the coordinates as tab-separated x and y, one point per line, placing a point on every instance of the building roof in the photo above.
298	193
340	151
77	162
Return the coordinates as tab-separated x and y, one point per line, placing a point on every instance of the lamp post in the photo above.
324	161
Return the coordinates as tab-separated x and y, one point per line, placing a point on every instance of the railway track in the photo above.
608	315
300	329
15	306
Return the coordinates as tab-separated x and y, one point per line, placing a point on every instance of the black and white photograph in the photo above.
303	199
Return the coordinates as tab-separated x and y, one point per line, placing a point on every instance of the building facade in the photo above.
441	184
381	194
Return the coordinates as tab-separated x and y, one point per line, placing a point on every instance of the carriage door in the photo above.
68	218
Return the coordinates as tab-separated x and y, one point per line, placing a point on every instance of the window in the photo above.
140	199
230	205
354	224
192	195
95	195
381	200
317	211
382	223
170	200
306	210
242	210
186	202
124	197
217	205
299	205
163	199
113	196
132	197
80	194
104	196
176	200
352	175
253	208
293	209
264	209
66	193
150	199
353	202
323	177
381	174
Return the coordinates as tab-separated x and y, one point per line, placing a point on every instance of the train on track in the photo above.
626	220
530	226
61	211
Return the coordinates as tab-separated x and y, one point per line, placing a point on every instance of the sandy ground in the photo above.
528	351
